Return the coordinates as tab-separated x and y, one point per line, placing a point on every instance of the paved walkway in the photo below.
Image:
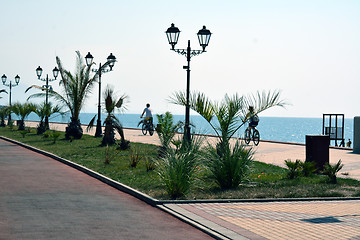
38	195
41	198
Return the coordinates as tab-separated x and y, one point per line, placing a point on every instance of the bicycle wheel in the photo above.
144	129
151	129
247	136
256	137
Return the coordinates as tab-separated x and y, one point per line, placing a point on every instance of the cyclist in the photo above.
253	118
148	114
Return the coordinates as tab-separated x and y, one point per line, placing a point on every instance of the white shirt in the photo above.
148	112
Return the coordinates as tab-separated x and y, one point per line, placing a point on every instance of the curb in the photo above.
119	186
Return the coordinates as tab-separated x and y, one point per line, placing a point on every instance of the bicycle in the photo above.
253	134
147	126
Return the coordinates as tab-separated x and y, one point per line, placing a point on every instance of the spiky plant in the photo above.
22	111
43	110
331	170
225	118
177	169
111	122
228	165
4	112
166	130
75	90
293	168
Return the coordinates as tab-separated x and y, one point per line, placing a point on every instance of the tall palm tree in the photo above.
43	110
23	111
111	122
75	90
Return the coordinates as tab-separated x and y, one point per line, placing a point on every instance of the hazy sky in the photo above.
309	49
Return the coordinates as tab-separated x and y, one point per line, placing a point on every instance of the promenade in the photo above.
41	198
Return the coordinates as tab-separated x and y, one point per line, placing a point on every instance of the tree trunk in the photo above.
74	130
109	135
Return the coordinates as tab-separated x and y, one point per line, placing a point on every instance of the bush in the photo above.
135	158
229	167
308	168
331	170
110	154
177	168
293	168
149	164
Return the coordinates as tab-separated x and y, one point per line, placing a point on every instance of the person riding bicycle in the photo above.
253	118
148	114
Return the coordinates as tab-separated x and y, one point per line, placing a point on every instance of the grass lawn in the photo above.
265	181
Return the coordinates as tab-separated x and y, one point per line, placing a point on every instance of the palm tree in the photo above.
43	110
226	117
228	164
111	122
4	112
166	130
75	89
22	111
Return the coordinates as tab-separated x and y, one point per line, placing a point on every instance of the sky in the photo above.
307	49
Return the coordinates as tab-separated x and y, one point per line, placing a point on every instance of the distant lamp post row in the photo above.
47	87
10	85
204	35
111	60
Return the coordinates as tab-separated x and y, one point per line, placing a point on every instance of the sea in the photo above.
284	129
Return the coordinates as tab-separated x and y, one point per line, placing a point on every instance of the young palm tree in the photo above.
226	117
43	110
22	111
228	164
111	122
4	112
75	89
166	130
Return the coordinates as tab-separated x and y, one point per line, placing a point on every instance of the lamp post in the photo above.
47	87
10	85
204	35
102	69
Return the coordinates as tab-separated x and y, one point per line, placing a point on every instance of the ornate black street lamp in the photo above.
47	87
204	35
10	85
110	62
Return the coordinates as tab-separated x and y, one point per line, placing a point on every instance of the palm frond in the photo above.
262	101
91	124
3	90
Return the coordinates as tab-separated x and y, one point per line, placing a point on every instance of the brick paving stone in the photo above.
285	220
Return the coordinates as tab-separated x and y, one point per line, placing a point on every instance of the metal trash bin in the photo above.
317	150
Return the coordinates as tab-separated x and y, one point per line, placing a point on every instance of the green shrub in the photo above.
177	168
229	166
23	133
166	130
293	168
110	154
149	164
331	170
308	168
135	158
